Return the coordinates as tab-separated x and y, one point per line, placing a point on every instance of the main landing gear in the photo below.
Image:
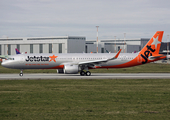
21	73
83	73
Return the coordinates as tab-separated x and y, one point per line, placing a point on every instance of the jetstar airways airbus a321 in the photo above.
73	63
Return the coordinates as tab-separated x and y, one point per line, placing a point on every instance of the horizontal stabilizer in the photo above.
156	56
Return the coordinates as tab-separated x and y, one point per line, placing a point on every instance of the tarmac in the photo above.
56	76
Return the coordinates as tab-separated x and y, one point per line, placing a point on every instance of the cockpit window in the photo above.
10	59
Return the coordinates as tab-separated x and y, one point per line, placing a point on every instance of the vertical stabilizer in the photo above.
152	47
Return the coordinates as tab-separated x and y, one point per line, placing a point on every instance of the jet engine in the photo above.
71	69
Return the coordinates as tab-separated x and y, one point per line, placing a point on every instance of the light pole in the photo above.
167	47
115	44
124	41
97	38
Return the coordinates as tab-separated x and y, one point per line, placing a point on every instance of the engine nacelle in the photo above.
71	69
60	71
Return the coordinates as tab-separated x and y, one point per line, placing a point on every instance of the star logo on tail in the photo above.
53	58
155	42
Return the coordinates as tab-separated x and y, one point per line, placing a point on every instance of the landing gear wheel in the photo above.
82	73
21	74
88	73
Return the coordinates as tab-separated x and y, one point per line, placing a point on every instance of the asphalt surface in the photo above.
93	76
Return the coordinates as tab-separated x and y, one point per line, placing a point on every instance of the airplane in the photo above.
6	56
3	57
73	63
17	51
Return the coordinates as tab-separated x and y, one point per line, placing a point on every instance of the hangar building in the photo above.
69	44
63	44
113	46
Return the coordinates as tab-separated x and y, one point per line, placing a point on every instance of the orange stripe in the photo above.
57	67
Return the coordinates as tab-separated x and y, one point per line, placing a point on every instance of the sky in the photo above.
42	18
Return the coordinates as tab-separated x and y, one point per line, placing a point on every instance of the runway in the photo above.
93	76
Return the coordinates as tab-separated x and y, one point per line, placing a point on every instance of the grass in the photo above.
84	99
147	68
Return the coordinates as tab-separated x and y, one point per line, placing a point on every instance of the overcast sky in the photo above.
42	18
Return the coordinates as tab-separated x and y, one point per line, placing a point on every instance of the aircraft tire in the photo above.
88	73
82	73
21	74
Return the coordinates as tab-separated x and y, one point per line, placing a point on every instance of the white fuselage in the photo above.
42	61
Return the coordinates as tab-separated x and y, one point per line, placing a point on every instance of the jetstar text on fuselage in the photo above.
37	59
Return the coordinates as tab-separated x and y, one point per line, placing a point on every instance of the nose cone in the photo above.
3	64
6	64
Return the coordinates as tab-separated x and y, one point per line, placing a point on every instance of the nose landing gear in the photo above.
21	73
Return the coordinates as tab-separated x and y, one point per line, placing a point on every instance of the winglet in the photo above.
116	56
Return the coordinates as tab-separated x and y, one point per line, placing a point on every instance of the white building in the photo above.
113	46
63	44
68	44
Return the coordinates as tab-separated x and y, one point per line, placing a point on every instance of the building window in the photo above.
60	48
102	49
0	50
9	49
40	48
50	48
31	48
18	47
86	49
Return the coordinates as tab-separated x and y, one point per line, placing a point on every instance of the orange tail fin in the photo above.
152	47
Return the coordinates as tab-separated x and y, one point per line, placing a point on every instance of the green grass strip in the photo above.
85	99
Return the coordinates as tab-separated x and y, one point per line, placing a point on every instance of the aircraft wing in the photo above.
3	56
97	62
